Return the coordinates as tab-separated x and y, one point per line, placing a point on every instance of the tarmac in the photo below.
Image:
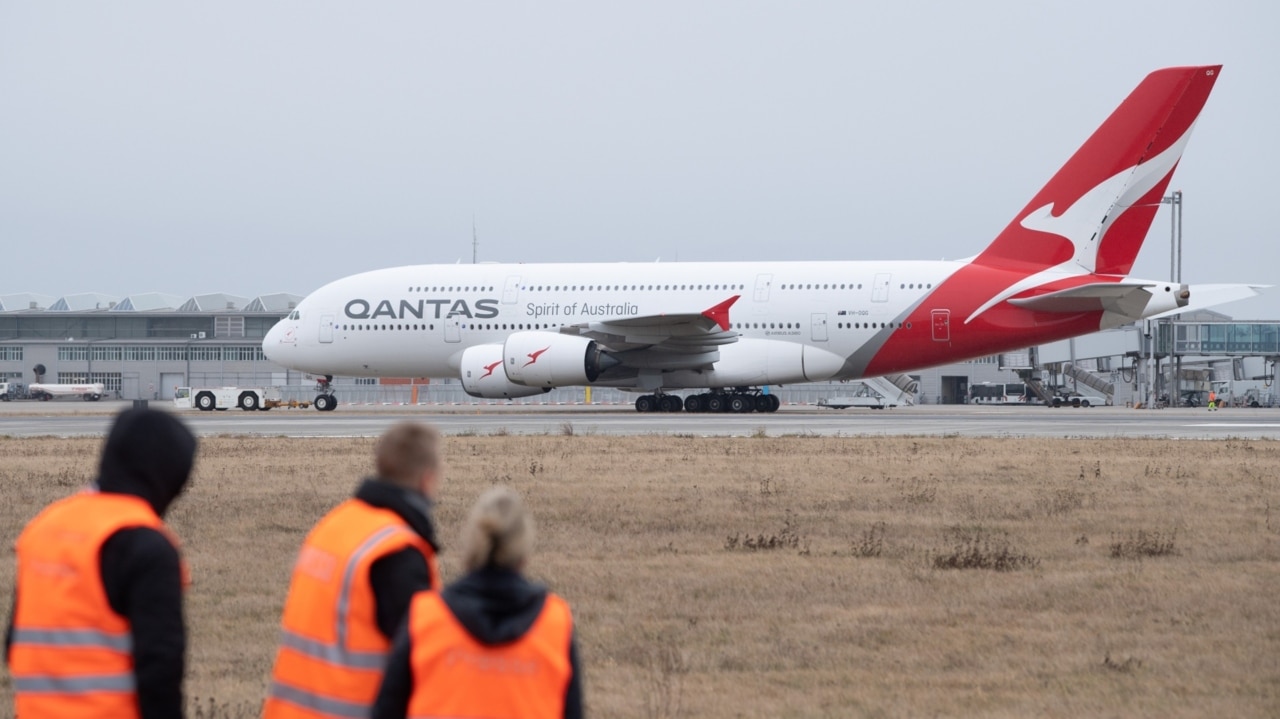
72	418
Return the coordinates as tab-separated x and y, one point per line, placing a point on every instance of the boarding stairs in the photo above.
899	389
1089	379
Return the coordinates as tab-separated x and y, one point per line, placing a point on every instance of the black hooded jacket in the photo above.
496	606
148	454
396	577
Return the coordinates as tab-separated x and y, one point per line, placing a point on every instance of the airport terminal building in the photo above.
145	346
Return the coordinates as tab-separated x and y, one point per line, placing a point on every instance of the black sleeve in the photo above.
142	576
8	630
392	701
395	578
573	692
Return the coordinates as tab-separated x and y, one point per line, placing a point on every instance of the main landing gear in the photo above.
325	401
740	401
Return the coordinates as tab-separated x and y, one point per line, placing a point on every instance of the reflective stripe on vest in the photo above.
74	638
346	683
318	704
75	685
455	675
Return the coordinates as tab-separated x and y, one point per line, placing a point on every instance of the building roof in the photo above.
217	302
148	302
278	302
274	303
25	301
84	302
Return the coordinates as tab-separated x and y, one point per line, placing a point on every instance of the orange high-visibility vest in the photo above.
332	653
456	676
72	654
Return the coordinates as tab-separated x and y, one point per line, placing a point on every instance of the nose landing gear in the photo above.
325	400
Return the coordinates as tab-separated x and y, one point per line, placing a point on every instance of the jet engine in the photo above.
547	359
483	375
750	362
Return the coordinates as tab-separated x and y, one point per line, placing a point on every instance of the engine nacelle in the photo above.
749	362
483	375
547	359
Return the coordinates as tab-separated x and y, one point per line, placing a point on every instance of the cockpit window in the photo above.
295	315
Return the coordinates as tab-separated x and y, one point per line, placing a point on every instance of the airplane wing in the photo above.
666	341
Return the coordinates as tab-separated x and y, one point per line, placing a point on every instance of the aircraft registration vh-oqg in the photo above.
1060	269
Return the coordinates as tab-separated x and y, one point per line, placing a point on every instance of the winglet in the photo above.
720	313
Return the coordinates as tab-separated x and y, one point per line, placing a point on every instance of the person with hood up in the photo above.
97	626
493	644
354	577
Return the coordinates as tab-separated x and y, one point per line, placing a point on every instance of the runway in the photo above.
76	420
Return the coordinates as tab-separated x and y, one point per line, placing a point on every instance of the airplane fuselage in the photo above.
873	317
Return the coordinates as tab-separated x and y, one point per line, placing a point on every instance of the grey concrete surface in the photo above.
79	419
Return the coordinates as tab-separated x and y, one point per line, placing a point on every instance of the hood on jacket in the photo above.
496	606
148	454
412	507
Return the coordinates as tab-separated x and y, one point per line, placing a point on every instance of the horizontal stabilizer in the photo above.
1127	298
1203	296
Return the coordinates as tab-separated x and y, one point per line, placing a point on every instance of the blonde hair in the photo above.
499	533
405	452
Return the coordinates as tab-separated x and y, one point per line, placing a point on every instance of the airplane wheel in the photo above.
672	403
715	403
738	403
774	403
325	402
762	403
644	403
693	403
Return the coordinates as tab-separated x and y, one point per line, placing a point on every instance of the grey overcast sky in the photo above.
258	147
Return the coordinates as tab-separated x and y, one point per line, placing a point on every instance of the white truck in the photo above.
208	399
89	392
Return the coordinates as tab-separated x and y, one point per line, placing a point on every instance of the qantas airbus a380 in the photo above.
513	330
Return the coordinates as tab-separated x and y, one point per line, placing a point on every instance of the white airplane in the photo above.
729	328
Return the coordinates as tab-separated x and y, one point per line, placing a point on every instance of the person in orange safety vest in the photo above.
492	644
353	580
97	627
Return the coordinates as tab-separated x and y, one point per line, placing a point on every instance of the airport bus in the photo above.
1001	393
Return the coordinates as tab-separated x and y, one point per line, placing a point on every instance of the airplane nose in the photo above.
271	344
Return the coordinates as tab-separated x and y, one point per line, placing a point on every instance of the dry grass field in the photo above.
797	576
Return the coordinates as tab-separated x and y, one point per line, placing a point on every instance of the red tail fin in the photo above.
1097	209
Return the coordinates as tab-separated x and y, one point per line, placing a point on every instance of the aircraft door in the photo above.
880	288
941	321
511	290
819	322
452	332
326	328
763	282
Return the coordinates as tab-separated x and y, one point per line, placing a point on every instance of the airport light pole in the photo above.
1174	200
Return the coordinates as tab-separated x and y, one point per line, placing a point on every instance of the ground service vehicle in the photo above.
1078	399
208	399
89	392
1001	393
863	397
